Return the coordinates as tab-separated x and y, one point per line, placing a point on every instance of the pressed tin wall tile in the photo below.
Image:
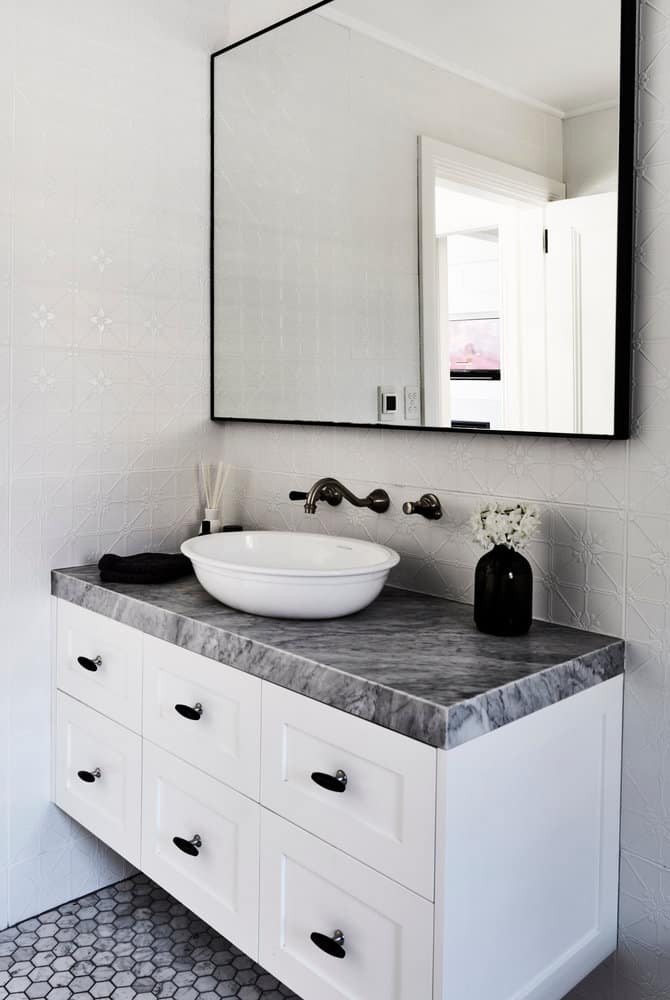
103	352
103	413
602	556
643	963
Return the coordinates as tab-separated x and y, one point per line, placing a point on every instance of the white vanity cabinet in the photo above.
99	775
382	808
352	862
200	841
99	662
204	712
310	890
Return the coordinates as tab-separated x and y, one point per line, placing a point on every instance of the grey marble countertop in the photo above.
409	662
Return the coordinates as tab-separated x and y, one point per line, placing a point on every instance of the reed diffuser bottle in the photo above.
213	479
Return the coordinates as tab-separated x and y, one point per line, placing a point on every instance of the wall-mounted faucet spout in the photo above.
333	492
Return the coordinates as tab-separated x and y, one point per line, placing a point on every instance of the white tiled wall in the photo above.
314	314
103	350
603	556
103	180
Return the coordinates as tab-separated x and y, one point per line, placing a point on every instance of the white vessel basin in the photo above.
284	574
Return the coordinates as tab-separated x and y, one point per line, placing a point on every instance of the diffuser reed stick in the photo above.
214	479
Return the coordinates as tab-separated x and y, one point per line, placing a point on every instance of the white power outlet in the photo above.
412	402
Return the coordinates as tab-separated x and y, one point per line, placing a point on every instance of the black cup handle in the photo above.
89	776
331	782
331	945
190	847
186	712
88	664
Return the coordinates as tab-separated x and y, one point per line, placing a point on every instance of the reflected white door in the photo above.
581	313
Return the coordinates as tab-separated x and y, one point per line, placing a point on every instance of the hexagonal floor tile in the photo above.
130	941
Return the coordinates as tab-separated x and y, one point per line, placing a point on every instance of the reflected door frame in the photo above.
473	173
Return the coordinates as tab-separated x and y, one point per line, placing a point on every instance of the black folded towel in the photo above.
146	567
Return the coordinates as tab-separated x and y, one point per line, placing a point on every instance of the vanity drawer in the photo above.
385	816
308	887
98	775
220	881
217	724
99	661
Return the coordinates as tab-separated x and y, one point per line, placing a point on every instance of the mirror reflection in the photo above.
415	217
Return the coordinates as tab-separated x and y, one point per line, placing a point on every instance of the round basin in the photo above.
284	574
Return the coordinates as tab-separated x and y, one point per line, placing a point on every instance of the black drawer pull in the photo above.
332	783
190	847
187	712
88	664
331	945
89	776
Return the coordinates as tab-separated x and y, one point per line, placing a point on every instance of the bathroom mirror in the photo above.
422	217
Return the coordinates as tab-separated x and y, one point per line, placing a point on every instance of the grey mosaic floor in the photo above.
129	942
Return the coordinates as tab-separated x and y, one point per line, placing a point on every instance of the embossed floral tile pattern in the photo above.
103	351
103	403
602	557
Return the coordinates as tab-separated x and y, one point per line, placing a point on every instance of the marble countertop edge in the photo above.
432	714
442	725
486	712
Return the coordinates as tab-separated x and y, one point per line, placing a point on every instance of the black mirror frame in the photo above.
625	246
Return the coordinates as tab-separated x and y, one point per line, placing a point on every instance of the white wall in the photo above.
115	468
315	314
591	153
602	559
103	350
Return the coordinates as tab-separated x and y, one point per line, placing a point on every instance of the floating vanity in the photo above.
390	806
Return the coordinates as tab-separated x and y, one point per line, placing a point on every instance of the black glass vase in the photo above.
503	592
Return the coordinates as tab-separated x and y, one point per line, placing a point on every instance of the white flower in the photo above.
496	524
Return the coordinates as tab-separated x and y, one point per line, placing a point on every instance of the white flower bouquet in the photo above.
496	524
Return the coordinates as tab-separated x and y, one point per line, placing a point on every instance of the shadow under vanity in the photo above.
390	806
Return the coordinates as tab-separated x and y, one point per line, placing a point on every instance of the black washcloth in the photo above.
146	567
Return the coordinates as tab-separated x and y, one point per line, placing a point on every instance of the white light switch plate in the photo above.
388	402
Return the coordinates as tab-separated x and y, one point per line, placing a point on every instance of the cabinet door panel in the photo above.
309	888
98	775
384	816
99	661
204	712
215	870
